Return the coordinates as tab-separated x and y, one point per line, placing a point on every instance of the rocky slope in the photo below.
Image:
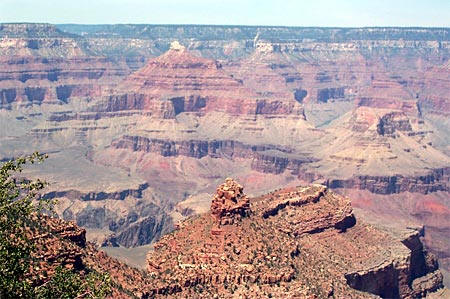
63	244
297	242
302	241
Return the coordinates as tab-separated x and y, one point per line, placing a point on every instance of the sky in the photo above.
324	13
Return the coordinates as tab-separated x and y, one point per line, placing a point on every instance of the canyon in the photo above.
142	122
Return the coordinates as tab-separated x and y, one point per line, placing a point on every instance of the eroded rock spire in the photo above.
230	203
175	45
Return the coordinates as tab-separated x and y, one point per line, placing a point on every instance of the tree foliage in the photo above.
66	284
20	215
16	220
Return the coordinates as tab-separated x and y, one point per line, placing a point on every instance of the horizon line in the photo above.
229	25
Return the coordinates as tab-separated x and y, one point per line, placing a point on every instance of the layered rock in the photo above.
396	142
236	41
37	39
101	195
264	158
191	148
179	82
271	162
436	180
421	270
433	90
257	256
339	217
387	94
293	238
29	80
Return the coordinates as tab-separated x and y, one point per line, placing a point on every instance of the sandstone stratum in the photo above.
143	122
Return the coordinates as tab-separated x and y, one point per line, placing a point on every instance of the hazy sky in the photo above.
342	13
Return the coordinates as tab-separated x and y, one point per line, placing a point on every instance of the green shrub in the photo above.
17	217
20	212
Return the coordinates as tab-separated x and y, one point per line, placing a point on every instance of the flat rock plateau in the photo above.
143	122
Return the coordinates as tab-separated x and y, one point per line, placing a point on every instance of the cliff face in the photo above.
422	266
264	157
102	195
242	32
141	232
28	80
437	180
270	159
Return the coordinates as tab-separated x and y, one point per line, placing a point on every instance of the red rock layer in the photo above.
297	242
386	91
178	81
436	180
263	157
30	80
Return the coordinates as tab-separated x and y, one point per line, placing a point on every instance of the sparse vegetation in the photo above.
20	220
17	218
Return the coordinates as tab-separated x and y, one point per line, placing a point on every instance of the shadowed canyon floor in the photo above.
141	129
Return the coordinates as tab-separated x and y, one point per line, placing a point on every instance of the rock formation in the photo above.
61	245
27	81
302	241
230	203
